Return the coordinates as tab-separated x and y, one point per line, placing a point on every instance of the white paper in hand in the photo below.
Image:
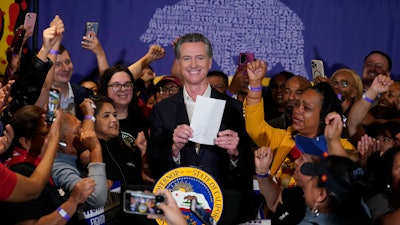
206	119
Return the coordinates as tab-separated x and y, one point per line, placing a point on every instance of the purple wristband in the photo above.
365	98
63	214
263	175
90	118
54	52
255	88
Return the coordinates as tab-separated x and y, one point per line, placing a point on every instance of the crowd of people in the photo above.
322	151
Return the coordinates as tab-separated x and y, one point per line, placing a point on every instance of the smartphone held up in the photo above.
29	22
91	27
244	58
52	105
142	203
317	68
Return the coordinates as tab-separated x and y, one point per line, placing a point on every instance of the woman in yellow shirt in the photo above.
308	120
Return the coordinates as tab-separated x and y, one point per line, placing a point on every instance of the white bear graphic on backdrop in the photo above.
266	27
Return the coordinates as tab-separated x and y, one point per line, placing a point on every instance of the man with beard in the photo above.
294	87
375	63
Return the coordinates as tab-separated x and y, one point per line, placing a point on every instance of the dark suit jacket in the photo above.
80	93
170	113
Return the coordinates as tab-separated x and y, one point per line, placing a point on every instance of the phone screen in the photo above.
52	105
137	202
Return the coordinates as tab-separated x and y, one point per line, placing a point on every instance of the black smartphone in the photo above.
142	203
199	211
52	105
16	42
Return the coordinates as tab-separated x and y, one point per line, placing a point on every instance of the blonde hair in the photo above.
355	81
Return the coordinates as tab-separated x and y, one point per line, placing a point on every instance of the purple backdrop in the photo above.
286	33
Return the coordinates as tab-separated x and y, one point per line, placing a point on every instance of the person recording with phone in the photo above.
172	213
32	86
33	138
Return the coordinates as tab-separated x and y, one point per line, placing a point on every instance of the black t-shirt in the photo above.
131	126
122	163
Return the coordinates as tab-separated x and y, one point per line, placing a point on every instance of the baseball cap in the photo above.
336	173
167	79
313	146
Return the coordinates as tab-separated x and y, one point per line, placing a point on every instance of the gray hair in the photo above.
190	38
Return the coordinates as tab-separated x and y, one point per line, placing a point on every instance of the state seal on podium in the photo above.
187	183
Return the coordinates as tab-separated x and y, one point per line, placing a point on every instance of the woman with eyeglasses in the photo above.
348	86
117	84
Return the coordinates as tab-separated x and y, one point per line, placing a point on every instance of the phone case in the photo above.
91	26
317	68
244	58
30	21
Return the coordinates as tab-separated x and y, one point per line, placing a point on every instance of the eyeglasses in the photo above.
118	87
169	90
341	84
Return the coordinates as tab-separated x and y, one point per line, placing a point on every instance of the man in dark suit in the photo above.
229	160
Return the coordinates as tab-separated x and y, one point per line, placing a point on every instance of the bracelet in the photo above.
253	97
54	52
90	118
255	88
63	214
365	98
264	175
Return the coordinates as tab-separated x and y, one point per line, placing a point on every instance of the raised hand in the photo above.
156	52
333	126
59	25
256	71
380	84
92	43
263	159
